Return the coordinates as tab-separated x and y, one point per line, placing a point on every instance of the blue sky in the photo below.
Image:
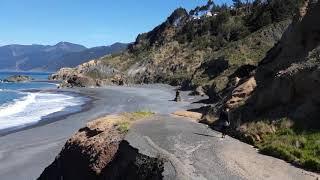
87	22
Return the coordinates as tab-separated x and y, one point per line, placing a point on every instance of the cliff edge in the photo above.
99	151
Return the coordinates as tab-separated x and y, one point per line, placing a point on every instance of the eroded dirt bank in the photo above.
99	151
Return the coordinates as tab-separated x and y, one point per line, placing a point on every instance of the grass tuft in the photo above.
123	125
133	116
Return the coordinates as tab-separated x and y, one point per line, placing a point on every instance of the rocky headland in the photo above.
100	75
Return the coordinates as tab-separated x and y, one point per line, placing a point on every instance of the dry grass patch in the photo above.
120	122
126	119
188	114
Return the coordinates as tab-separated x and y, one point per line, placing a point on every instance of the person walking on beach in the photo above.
178	96
224	116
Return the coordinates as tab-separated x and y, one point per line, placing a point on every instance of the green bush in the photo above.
278	151
267	12
298	147
285	132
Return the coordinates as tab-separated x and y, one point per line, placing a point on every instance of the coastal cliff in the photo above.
265	74
188	50
276	107
99	151
285	81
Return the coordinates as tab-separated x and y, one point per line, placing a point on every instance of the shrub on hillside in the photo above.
266	12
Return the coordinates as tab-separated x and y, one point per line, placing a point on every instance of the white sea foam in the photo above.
17	106
31	108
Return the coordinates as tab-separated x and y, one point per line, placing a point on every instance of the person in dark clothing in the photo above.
178	97
224	117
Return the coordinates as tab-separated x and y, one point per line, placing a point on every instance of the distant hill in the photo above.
76	58
50	58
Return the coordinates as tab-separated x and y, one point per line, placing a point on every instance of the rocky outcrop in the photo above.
241	93
289	79
78	81
18	78
63	74
92	73
284	85
199	91
98	151
286	81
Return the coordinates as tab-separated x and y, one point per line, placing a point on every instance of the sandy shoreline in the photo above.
24	154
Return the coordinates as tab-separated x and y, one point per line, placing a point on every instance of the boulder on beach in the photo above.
18	78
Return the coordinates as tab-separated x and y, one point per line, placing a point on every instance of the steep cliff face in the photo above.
283	89
237	60
276	106
189	51
285	82
288	78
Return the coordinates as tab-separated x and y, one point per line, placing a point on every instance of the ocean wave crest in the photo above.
33	107
17	106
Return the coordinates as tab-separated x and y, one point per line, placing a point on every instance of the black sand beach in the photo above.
24	154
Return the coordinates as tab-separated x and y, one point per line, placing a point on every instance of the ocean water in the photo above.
21	104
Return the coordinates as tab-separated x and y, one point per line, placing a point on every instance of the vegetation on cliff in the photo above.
178	50
182	46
